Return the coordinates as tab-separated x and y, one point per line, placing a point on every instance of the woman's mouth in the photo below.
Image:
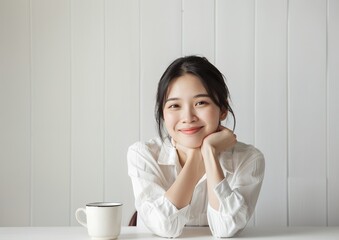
190	131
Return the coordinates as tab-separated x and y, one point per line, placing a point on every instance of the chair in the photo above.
133	221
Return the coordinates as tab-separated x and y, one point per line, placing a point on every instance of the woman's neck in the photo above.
182	157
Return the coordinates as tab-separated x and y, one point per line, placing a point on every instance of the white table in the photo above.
257	233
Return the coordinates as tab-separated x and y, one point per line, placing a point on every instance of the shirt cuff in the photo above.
164	219
169	211
223	189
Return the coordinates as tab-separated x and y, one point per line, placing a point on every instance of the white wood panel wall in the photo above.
15	113
333	112
271	108
307	112
50	112
87	102
78	81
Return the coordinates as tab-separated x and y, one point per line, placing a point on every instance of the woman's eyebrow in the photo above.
171	99
196	96
201	95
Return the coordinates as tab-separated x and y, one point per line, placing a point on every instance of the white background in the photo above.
77	87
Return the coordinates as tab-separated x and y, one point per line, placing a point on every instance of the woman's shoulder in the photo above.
144	145
242	156
145	154
248	151
152	145
246	148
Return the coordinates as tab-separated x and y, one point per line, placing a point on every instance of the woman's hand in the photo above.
219	141
181	191
191	155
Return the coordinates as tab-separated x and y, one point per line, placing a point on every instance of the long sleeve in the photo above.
150	182
237	197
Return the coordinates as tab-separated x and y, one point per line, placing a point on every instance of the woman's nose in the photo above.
189	115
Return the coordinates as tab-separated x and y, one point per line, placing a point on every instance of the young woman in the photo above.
195	173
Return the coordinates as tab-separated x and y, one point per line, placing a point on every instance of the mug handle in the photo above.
77	216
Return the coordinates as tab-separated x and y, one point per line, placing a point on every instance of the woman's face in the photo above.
189	113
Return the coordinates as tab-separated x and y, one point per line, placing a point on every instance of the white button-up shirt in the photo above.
153	167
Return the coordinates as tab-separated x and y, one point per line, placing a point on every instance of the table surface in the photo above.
257	233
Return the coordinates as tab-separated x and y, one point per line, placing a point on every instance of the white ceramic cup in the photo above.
103	219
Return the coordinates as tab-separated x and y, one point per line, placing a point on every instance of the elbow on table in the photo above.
225	234
230	227
167	233
165	229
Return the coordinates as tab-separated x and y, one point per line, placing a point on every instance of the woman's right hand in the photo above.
191	155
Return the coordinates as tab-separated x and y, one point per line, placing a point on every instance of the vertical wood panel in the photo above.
50	112
15	113
87	91
235	59
198	28
271	109
333	113
122	98
307	112
160	45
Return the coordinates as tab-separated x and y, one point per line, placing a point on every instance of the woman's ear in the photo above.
223	114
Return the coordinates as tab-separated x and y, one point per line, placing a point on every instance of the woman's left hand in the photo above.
220	140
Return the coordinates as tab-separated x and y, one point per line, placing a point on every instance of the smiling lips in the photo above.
190	131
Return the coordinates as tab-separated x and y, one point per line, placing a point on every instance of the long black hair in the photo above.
210	76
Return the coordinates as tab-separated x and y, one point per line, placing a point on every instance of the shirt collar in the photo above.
168	154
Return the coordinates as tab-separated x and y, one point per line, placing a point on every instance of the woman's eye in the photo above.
173	106
200	103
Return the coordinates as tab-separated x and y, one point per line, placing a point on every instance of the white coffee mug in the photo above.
103	219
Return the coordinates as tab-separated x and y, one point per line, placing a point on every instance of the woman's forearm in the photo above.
181	191
214	175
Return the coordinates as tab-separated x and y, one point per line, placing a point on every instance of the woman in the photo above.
195	173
